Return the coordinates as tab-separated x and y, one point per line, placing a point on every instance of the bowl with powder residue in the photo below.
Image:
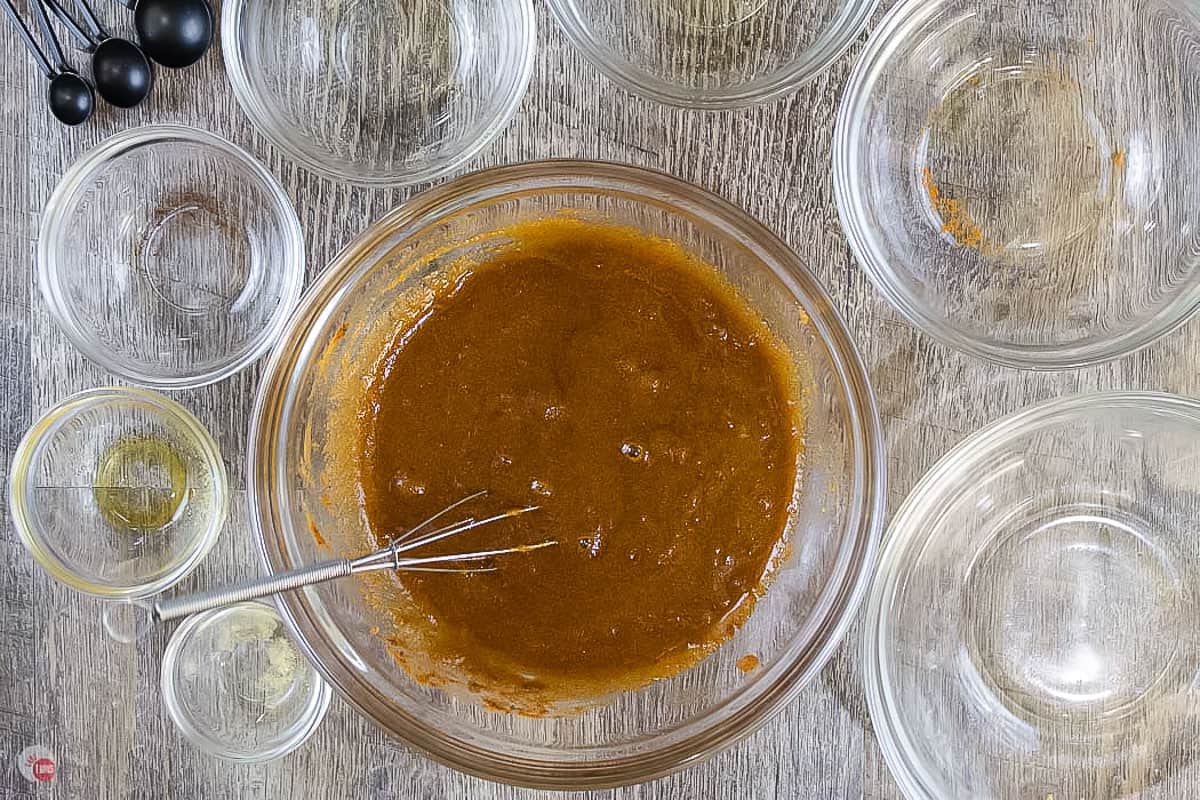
1019	179
238	688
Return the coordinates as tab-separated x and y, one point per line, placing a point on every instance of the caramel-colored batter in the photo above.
624	389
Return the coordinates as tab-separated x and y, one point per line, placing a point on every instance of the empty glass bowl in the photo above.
237	686
712	53
1022	179
630	736
1032	628
377	91
170	257
118	492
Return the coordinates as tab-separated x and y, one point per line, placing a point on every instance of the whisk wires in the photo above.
393	556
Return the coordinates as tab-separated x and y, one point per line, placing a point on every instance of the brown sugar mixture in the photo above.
623	388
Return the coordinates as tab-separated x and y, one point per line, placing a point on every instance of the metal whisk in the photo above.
394	556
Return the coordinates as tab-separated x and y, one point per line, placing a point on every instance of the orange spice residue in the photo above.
955	220
748	662
374	631
337	335
1118	159
315	531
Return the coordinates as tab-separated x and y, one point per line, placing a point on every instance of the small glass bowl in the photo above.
705	54
238	688
1019	179
377	92
118	492
170	256
1031	631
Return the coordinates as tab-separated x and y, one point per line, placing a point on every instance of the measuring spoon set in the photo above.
171	33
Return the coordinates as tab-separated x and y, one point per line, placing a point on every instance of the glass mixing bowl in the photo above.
1022	179
712	53
632	736
379	92
170	256
1032	629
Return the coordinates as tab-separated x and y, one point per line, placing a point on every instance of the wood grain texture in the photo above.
95	701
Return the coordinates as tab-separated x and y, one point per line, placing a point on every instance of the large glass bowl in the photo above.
379	92
1021	179
632	736
1032	630
712	53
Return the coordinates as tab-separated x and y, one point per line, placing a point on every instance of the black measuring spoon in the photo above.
68	95
121	70
175	33
68	91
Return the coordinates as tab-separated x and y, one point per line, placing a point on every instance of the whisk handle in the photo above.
189	604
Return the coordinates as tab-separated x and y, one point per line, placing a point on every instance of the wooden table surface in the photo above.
94	701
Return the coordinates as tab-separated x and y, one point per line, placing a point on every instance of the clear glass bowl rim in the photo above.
29	448
915	781
885	41
277	394
54	229
851	20
305	726
238	72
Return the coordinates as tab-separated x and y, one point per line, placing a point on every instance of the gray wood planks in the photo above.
95	702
